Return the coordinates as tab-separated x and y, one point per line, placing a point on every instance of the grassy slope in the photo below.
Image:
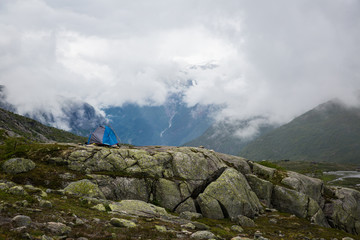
330	132
33	130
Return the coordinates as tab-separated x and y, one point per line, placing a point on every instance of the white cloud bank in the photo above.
256	57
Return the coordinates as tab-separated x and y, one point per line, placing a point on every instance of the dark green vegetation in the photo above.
30	129
48	171
221	137
328	133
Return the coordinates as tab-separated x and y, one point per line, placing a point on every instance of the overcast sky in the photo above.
275	58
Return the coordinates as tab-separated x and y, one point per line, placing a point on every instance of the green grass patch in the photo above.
21	147
10	198
293	228
271	165
220	227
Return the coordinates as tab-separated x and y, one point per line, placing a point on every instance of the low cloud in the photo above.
256	58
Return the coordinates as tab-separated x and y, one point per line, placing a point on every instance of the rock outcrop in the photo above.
342	209
152	181
213	184
178	179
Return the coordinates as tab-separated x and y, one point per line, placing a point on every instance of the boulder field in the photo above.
188	180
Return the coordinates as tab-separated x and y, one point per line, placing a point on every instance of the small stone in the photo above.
45	204
160	228
20	229
244	221
273	221
22	203
270	210
21	221
79	221
237	228
17	190
58	228
189	226
99	207
201	226
44	237
119	222
67	176
347	238
4	186
257	235
203	235
43	194
82	238
190	215
27	236
96	220
184	231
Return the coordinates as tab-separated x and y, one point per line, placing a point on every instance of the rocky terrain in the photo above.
69	191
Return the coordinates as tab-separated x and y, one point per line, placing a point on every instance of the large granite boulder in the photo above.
167	193
195	163
239	163
262	188
138	208
84	188
298	203
343	209
312	187
232	194
263	171
121	188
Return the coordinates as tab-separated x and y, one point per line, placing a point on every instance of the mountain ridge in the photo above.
329	132
15	125
222	136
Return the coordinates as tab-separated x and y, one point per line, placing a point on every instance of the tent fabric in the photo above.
103	135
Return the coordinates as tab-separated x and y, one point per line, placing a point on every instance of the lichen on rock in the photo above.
233	194
18	165
84	188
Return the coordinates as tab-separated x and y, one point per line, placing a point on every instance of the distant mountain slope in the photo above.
15	124
170	124
79	118
222	137
329	132
4	104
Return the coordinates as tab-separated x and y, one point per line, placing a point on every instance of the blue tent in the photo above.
103	135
